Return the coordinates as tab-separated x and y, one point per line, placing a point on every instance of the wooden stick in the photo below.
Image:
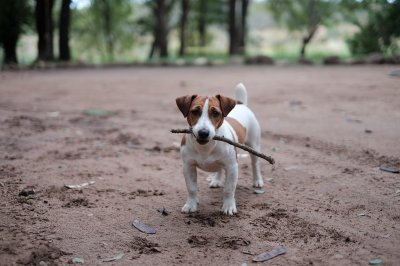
241	146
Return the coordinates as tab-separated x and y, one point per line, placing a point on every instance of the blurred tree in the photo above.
243	26
233	38
44	26
194	19
161	10
202	21
378	22
198	17
64	23
237	19
14	14
304	16
206	12
103	9
183	26
104	28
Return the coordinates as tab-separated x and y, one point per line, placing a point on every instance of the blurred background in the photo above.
184	32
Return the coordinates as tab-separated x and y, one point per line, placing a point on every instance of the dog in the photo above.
222	116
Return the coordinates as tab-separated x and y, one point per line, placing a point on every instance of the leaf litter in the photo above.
80	185
143	227
118	257
271	254
389	168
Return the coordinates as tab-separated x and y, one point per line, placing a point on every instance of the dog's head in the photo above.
205	114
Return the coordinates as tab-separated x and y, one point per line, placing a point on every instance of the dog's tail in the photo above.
241	94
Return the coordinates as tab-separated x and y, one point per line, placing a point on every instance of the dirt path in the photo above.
328	129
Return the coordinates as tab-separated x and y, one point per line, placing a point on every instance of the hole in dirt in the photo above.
78	202
282	226
198	241
144	246
43	254
233	242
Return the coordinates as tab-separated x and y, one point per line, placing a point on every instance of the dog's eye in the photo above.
196	112
215	113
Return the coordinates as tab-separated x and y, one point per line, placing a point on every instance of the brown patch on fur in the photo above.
215	112
184	103
226	103
195	110
239	129
183	141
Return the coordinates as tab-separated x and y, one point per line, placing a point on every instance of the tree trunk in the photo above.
184	17
10	50
44	25
313	22
160	43
153	49
232	27
305	42
163	29
109	37
65	54
202	23
10	29
243	32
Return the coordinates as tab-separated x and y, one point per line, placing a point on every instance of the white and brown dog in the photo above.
223	116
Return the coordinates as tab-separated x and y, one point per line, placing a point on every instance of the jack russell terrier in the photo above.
223	116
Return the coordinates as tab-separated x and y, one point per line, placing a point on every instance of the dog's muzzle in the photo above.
203	136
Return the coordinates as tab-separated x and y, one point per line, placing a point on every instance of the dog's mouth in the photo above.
202	141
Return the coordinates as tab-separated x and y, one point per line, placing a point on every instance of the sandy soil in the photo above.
329	129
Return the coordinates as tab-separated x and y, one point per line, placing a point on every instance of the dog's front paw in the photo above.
190	206
229	207
258	182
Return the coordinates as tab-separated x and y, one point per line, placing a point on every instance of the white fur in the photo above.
217	156
241	93
204	122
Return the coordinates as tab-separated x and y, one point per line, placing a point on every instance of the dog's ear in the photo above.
184	103
226	103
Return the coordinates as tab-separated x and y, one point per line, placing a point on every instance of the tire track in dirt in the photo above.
365	156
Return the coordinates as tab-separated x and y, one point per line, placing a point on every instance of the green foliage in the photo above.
105	28
302	16
365	41
146	22
297	16
214	11
204	13
379	24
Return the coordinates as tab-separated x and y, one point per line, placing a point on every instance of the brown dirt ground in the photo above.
328	203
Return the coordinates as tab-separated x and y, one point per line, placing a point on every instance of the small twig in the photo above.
241	146
187	131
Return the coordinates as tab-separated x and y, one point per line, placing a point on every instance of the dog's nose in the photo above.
203	133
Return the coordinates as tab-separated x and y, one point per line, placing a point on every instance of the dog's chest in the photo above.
209	163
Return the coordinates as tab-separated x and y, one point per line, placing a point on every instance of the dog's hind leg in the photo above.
257	177
254	142
216	180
